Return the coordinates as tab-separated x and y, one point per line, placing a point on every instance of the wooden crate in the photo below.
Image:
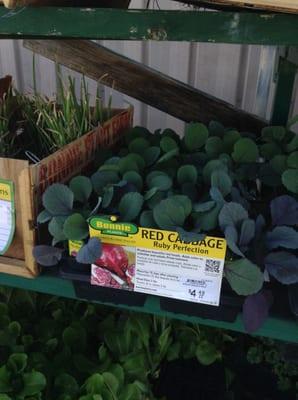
63	3
30	182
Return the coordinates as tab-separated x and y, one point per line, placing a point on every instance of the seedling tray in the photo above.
30	181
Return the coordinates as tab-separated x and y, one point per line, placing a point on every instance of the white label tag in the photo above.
179	276
7	215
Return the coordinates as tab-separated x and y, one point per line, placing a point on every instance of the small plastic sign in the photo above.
157	262
7	215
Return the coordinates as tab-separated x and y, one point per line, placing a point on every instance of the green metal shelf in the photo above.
99	23
275	328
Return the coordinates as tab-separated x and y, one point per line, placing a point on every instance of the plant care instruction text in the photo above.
157	262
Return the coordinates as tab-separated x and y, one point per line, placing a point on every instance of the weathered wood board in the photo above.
288	6
143	83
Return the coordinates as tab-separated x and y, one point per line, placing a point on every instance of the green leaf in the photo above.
172	212
44	216
17	362
279	163
231	214
167	144
34	383
292	160
102	178
207	221
130	206
202	207
162	182
290	180
118	372
195	136
214	147
111	382
58	199
168	156
270	133
55	228
151	155
134	178
245	151
94	384
66	385
81	187
76	227
212	166
231	236
269	150
5	375
244	277
131	392
189	237
207	353
108	194
138	145
229	139
187	174
222	181
147	220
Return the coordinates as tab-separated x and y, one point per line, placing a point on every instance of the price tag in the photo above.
7	215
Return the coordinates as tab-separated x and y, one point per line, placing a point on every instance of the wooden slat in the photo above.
143	83
11	169
12	266
288	6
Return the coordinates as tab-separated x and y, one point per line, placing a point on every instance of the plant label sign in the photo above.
7	215
157	262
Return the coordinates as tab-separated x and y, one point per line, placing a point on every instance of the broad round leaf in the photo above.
244	277
207	221
255	311
284	210
212	166
279	163
207	353
269	150
189	237
34	383
195	136
187	174
221	180
81	187
245	151
247	232
231	214
151	155
168	156
128	164
202	207
229	139
282	236
167	144
135	178
47	255
214	147
90	252
168	214
231	236
58	199
138	145
270	133
76	227
147	220
44	216
130	206
55	228
283	266
290	180
102	178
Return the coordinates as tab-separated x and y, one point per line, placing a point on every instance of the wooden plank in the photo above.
28	220
143	83
116	24
10	169
287	6
12	266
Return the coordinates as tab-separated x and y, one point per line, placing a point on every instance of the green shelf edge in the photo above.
273	328
162	25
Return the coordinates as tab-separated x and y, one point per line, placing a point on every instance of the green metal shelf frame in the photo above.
197	26
119	24
274	327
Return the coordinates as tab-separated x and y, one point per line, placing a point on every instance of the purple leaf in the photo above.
283	266
284	210
255	310
282	236
90	252
47	255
